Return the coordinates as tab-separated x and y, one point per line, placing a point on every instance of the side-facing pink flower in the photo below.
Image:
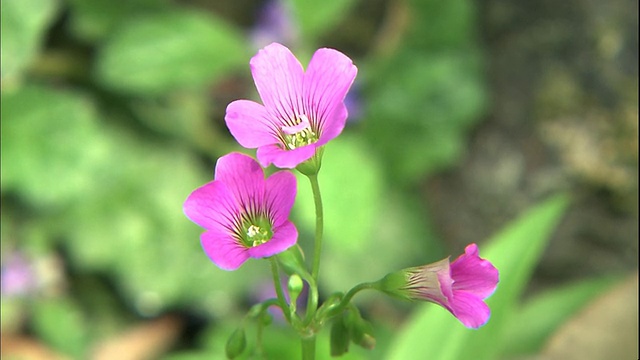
245	215
302	110
460	286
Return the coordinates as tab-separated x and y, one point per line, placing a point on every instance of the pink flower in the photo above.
245	215
302	111
459	287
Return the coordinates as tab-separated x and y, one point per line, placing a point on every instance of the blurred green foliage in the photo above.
112	114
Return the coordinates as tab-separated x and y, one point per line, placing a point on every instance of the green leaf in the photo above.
24	23
61	324
134	228
158	53
316	17
94	20
431	100
541	316
50	145
447	24
514	251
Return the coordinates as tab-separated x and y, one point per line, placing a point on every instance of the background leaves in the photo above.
168	51
24	24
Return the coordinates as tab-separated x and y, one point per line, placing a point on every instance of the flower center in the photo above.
299	134
256	232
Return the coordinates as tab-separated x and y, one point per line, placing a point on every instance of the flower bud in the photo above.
295	286
339	337
236	344
361	331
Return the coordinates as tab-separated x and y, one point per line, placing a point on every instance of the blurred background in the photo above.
464	115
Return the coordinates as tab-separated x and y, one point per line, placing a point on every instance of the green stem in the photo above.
312	303
278	286
351	293
345	302
317	199
309	348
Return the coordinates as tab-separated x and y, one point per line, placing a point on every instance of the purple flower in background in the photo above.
275	23
245	215
18	276
353	102
460	286
302	111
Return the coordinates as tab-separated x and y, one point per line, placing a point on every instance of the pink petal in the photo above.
284	159
280	194
326	83
445	281
278	76
223	250
212	206
474	274
284	237
339	120
469	309
249	124
244	178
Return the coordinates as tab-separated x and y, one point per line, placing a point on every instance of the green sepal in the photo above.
236	344
292	261
340	337
395	285
312	166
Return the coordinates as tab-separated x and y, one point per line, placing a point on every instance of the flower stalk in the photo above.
279	293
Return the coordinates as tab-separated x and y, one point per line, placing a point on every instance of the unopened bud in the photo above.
339	337
295	286
361	330
236	344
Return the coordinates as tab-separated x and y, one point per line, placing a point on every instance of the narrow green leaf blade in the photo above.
541	316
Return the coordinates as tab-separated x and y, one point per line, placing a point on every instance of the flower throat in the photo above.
300	134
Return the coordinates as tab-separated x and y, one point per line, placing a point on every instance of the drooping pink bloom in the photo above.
302	111
245	215
460	286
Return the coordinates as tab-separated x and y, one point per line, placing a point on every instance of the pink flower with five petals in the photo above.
245	215
302	111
